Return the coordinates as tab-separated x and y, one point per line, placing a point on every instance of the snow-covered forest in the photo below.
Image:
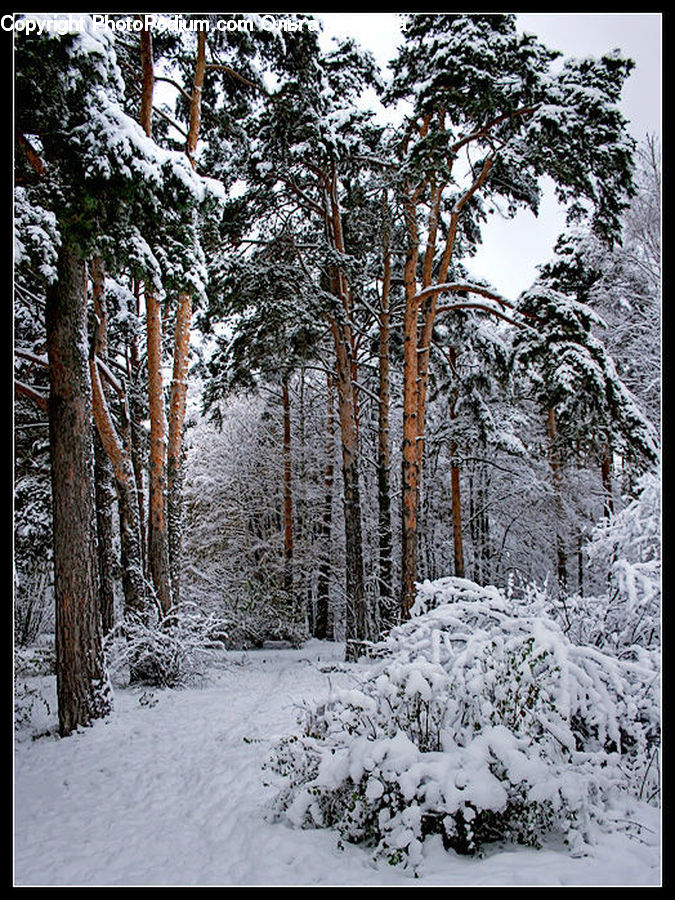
332	563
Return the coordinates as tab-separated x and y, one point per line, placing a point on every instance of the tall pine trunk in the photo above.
606	472
82	686
288	490
181	351
345	381
556	472
103	473
388	606
138	437
456	504
356	601
410	464
177	405
105	502
118	452
323	624
158	538
455	489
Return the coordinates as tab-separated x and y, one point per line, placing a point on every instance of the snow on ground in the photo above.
170	791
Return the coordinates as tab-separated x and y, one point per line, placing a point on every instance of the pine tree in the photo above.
100	179
488	117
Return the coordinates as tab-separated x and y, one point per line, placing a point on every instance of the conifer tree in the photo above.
102	179
489	116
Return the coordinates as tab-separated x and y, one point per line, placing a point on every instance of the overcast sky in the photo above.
512	249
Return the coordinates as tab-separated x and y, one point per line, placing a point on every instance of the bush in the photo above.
479	721
624	554
169	652
257	615
33	603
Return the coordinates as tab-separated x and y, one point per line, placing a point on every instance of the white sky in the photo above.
513	248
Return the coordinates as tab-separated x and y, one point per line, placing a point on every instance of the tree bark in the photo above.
388	606
138	436
288	490
177	405
554	461
133	581
148	81
105	500
606	472
345	363
323	626
82	686
455	491
410	470
158	539
456	503
103	473
181	356
356	602
196	98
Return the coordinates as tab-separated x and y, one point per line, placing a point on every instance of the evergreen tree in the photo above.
489	116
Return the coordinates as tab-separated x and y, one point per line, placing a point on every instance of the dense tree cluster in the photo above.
251	360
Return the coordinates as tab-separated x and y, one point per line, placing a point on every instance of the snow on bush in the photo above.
168	652
628	548
478	721
624	554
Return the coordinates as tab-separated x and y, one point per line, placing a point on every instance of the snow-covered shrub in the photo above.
38	659
30	665
479	721
628	549
625	554
168	652
256	616
33	604
29	701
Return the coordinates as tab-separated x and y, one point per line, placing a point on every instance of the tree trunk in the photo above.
305	529
323	626
410	470
196	98
105	500
158	538
388	606
138	436
103	473
554	461
82	686
345	362
456	498
356	602
606	471
456	503
485	526
288	490
133	581
177	405
148	81
181	356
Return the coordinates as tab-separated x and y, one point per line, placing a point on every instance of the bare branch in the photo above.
25	390
220	67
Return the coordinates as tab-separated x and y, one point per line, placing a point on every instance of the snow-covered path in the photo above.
174	794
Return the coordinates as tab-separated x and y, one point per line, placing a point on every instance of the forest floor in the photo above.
170	791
